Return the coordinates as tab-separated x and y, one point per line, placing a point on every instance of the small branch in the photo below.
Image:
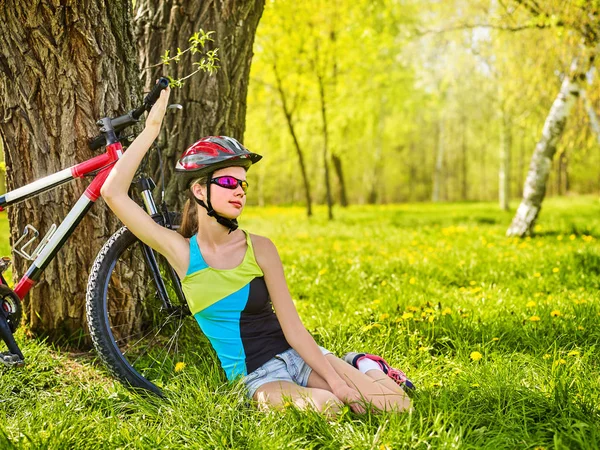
468	26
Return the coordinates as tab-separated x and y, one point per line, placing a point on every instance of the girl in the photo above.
231	279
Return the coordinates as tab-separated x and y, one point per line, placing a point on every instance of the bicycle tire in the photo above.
140	345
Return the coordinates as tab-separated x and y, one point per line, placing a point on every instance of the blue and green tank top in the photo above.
234	311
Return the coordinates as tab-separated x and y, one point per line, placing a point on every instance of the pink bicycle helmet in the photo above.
208	155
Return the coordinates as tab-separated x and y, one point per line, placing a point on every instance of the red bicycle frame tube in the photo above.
104	163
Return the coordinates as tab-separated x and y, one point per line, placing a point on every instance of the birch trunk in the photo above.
61	68
534	189
213	104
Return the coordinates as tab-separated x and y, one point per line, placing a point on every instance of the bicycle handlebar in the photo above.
133	116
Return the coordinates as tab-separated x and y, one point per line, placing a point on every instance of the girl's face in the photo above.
227	202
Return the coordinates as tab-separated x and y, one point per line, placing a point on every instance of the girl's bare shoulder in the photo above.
264	250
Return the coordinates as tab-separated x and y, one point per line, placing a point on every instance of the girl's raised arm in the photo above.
115	192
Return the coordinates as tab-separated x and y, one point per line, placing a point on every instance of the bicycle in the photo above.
135	334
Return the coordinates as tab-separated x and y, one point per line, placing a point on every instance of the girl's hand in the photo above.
157	113
349	396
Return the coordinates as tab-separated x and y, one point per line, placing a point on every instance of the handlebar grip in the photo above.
151	98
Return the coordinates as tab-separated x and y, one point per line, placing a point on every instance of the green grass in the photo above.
425	286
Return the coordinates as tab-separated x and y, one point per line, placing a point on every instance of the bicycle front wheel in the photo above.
144	338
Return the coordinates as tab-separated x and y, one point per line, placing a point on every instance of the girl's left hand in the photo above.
350	396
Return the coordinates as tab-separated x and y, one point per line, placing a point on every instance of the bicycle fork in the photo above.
145	185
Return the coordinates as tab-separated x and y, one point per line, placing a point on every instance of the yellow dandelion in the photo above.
383	283
431	318
475	385
446	311
322	271
495	339
412	308
556	270
573	353
559	237
383	316
423	349
407	315
537	228
535	318
555	313
367	328
412	280
537	274
531	304
179	366
546	356
560	362
572	237
580	328
476	356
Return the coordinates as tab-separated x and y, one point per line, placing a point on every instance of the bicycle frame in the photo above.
104	164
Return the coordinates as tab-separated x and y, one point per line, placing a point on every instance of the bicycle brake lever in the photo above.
175	106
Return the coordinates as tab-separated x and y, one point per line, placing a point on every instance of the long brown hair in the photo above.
189	219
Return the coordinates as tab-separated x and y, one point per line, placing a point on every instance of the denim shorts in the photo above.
286	366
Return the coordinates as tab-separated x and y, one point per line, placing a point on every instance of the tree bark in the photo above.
212	104
534	189
62	67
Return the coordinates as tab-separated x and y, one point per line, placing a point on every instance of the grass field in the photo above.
500	336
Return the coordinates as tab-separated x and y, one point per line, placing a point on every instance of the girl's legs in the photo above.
379	377
376	388
276	393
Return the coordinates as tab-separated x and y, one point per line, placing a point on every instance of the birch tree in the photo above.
581	18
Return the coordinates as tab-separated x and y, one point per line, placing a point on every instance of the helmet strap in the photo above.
232	224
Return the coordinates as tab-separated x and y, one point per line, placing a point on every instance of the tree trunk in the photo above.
439	160
61	69
212	104
504	171
589	108
464	160
337	165
287	112
539	169
329	197
378	163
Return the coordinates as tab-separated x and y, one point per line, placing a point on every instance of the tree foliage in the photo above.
406	79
